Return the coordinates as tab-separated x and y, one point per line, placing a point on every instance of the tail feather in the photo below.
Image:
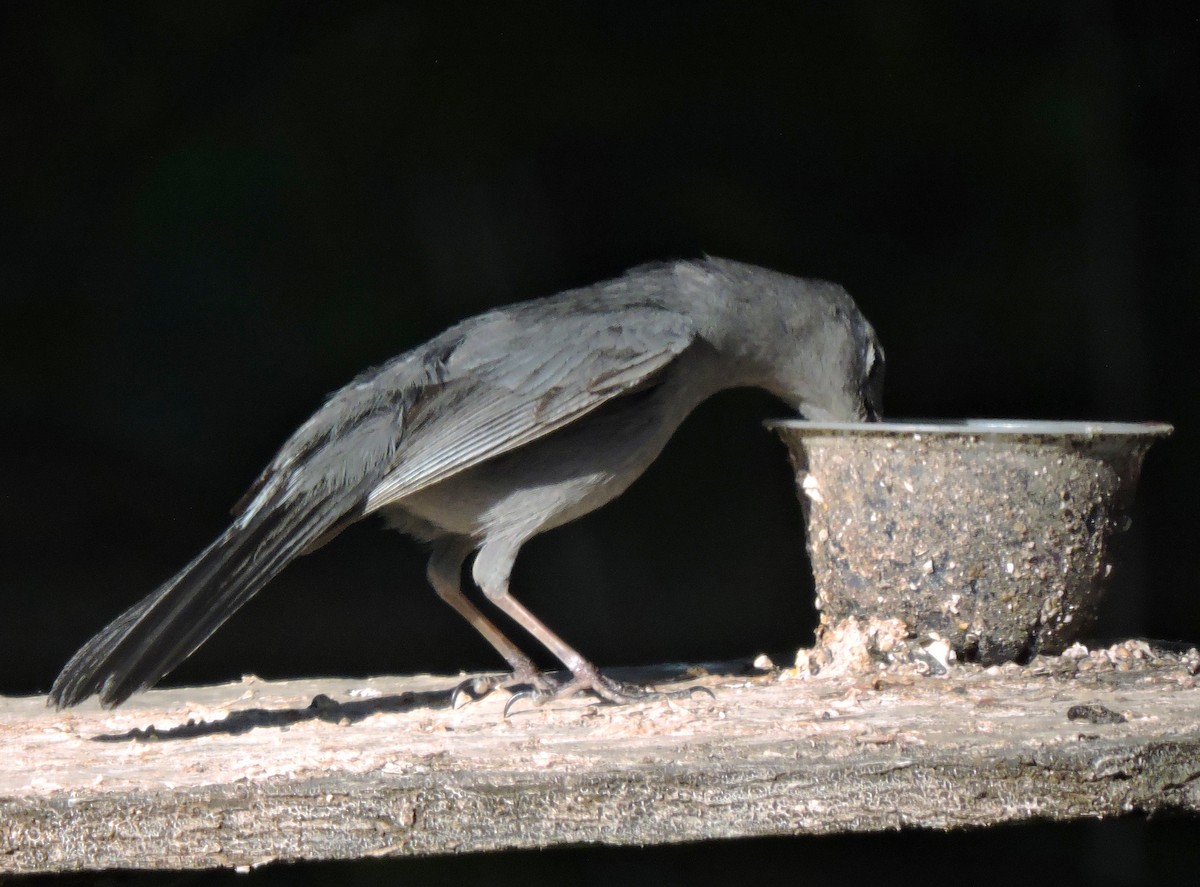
315	486
144	643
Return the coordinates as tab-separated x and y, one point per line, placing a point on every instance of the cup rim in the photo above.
977	427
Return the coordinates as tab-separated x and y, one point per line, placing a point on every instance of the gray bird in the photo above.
504	426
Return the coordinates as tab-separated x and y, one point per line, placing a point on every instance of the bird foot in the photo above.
519	682
606	689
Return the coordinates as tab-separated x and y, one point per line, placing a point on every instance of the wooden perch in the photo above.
247	773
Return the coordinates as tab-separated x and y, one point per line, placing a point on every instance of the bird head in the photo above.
803	340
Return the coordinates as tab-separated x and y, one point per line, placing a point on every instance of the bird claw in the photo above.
525	693
471	690
520	684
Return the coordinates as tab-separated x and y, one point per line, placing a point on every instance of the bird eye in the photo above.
872	392
874	361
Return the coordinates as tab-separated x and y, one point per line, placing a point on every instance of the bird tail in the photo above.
149	639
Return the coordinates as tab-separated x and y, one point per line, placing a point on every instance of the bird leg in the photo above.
444	572
491	570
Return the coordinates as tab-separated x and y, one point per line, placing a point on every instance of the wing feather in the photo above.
520	380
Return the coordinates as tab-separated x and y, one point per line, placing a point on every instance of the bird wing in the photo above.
518	376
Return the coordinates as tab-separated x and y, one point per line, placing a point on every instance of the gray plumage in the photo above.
505	425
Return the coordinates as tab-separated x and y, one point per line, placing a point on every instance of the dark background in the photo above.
214	214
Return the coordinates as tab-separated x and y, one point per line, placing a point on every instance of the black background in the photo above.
214	214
